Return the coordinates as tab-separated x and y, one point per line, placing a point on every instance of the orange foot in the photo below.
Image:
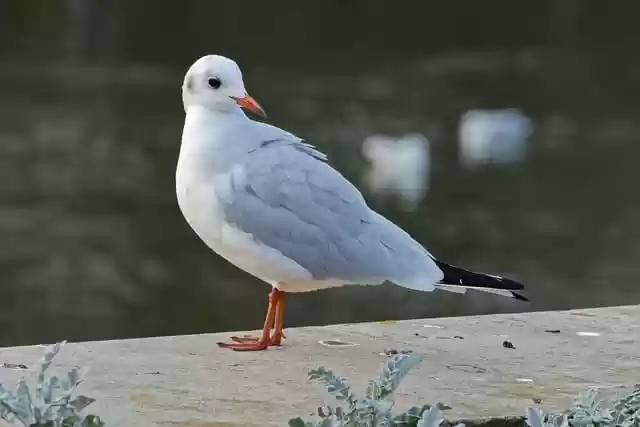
274	318
274	340
245	346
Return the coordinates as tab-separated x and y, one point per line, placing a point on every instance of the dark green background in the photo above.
93	245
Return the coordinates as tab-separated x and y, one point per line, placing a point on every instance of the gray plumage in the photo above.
289	199
269	202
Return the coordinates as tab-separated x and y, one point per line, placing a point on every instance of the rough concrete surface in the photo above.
189	381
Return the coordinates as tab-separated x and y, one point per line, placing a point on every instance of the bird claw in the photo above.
271	335
276	339
250	341
245	339
245	346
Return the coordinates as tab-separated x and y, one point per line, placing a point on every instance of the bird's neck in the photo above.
207	137
199	115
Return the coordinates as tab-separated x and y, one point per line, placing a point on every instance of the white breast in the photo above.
200	195
204	182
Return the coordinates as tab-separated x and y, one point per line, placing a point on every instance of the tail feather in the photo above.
458	280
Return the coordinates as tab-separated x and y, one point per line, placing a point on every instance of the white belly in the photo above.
199	200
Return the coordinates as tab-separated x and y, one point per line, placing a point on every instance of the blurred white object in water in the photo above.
398	166
493	136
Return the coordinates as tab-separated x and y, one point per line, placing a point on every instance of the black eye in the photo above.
214	83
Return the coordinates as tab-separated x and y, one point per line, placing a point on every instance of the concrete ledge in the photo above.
189	381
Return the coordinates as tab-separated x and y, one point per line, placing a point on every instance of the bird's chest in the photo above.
201	197
199	200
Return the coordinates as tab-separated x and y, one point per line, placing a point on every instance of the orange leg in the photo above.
278	335
249	343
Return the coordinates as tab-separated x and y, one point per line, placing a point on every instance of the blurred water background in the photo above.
93	243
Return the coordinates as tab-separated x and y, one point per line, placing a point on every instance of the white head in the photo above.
215	83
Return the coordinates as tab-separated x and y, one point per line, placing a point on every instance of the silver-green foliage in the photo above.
589	410
374	409
51	402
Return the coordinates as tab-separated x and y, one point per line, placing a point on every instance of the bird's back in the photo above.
283	194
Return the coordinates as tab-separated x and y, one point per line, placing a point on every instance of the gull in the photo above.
270	203
493	136
399	166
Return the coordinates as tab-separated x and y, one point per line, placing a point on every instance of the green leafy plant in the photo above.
374	409
51	402
589	410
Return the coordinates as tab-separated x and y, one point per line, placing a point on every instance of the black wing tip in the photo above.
512	286
458	276
509	284
519	297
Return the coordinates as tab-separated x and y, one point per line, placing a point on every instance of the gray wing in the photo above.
289	199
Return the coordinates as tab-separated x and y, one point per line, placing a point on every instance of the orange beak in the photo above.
250	104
